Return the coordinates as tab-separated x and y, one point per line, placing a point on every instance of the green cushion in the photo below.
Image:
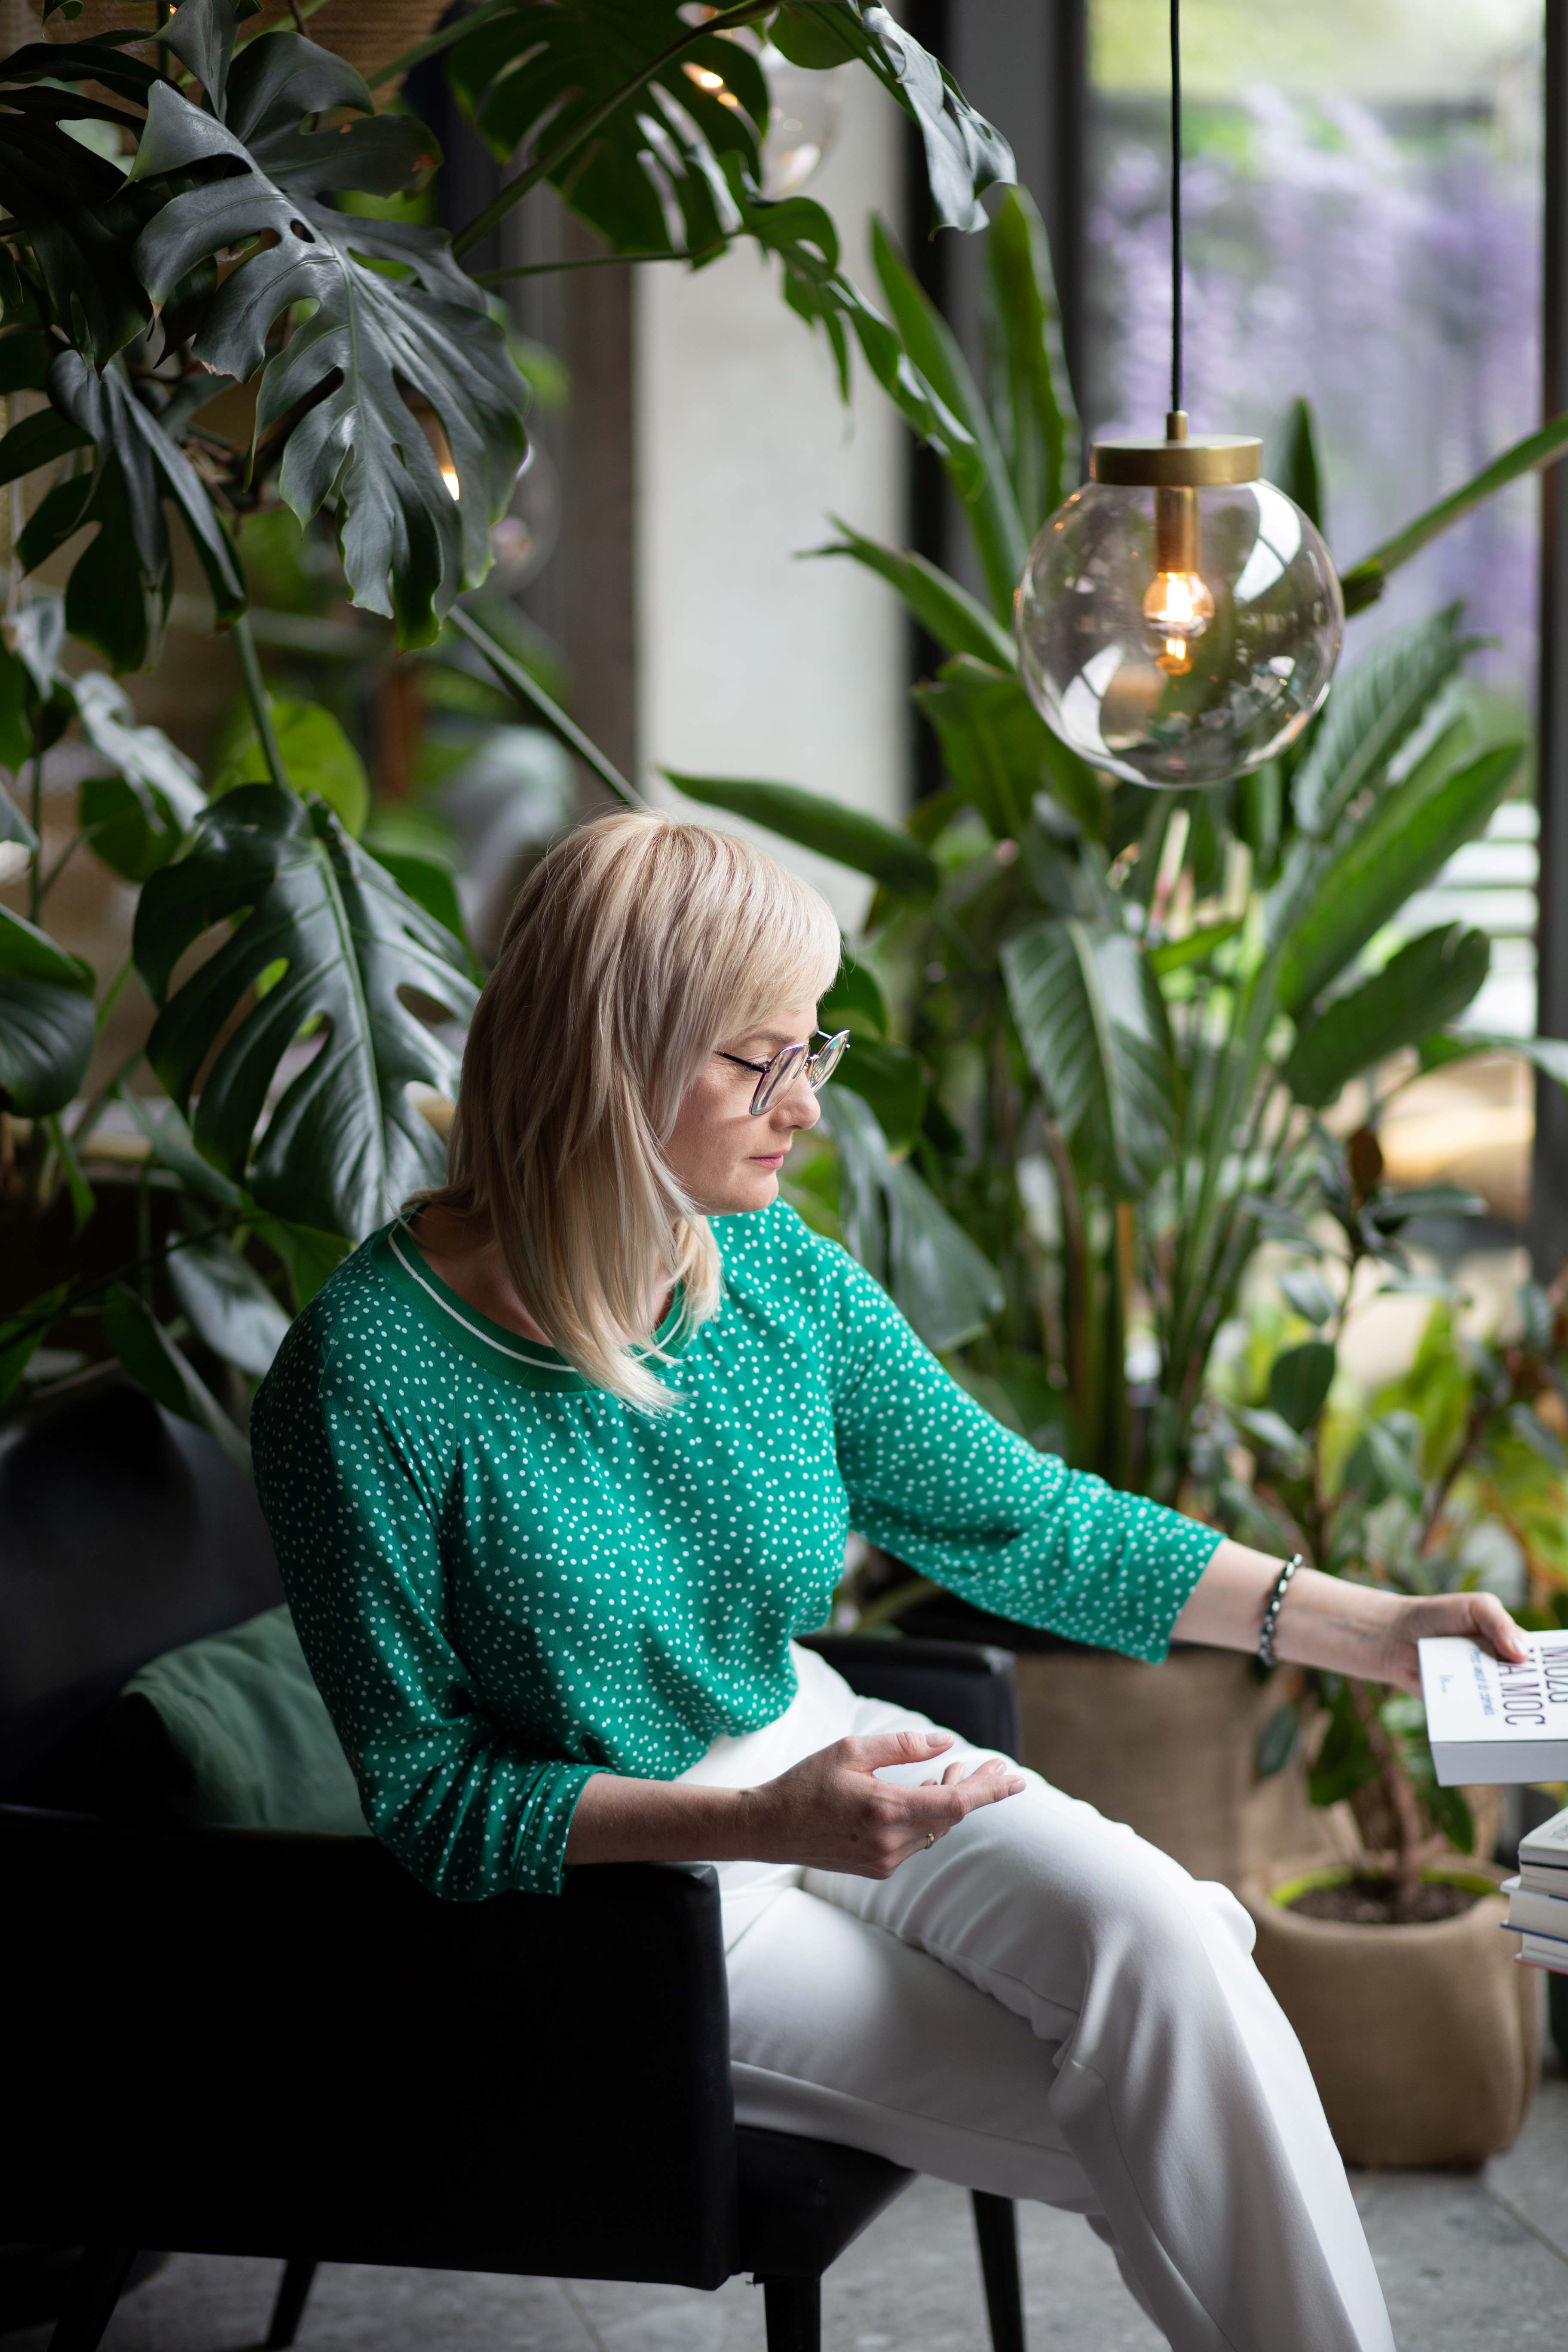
230	1732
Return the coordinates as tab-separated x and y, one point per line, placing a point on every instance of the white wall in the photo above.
750	664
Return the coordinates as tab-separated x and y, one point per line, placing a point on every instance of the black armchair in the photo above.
248	2042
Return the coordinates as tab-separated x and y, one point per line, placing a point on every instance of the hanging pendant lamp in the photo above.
1179	618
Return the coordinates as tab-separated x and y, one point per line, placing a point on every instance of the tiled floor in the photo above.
1470	2263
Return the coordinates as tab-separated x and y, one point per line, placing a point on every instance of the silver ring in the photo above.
930	1837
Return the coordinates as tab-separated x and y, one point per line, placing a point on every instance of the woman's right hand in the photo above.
831	1813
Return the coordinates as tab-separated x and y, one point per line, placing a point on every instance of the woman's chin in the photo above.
753	1188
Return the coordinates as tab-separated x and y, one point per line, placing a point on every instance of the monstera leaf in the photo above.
325	939
392	320
633	113
964	153
46	1020
78	217
118	596
692	97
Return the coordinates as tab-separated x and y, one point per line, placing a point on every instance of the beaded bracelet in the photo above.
1265	1650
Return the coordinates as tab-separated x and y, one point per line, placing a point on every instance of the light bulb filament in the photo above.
1177	608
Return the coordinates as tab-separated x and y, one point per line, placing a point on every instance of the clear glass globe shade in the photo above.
523	539
1124	662
804	115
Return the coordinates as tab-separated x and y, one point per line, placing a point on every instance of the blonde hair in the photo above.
636	947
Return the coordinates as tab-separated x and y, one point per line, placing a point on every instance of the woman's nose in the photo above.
799	1105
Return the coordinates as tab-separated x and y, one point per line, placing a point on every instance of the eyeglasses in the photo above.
792	1062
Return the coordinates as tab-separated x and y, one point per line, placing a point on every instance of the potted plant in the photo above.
1420	2028
1095	1024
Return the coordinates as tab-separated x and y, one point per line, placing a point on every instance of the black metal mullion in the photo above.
1549	1208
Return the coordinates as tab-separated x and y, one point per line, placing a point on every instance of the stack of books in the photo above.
1538	1897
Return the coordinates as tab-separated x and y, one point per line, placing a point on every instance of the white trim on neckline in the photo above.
538	1363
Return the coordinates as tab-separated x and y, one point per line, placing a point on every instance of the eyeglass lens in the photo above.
819	1069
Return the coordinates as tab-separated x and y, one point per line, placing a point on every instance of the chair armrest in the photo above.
252	2043
965	1686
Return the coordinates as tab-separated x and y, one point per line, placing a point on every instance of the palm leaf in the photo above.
1038	424
1432	980
1093	1024
1371	713
850	837
997	526
802	238
900	1233
958	621
1402	843
999	752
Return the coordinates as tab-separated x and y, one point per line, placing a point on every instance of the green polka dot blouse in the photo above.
506	1581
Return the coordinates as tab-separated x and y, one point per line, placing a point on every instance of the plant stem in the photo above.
1362	586
528	691
592	262
107	1091
35	883
1412	1851
260	708
457	31
145	1234
17	1326
53	876
111	994
749	13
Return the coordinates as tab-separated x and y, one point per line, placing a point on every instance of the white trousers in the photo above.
1047	2007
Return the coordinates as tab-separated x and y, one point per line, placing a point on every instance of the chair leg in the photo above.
996	2228
94	2292
293	2292
793	2312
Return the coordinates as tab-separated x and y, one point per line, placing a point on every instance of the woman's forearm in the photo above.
621	1820
1326	1620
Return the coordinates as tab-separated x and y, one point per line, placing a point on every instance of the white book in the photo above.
1547	1914
1542	1881
1489	1720
1544	1952
1548	1845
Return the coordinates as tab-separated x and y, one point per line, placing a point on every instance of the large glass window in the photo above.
1363	197
1363	202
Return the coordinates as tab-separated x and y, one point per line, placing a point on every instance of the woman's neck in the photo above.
464	1252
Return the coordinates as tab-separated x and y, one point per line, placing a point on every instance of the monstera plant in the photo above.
195	228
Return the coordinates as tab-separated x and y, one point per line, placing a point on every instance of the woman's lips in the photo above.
768	1159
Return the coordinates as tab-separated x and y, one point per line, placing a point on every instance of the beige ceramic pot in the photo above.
1171	1750
368	32
1423	2040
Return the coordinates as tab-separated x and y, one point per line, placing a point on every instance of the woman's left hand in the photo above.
1478	1617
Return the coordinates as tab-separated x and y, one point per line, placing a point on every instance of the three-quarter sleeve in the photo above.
353	1520
936	1480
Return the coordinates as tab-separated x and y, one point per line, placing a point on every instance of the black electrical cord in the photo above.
1175	204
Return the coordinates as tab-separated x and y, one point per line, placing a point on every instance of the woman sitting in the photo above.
560	1463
